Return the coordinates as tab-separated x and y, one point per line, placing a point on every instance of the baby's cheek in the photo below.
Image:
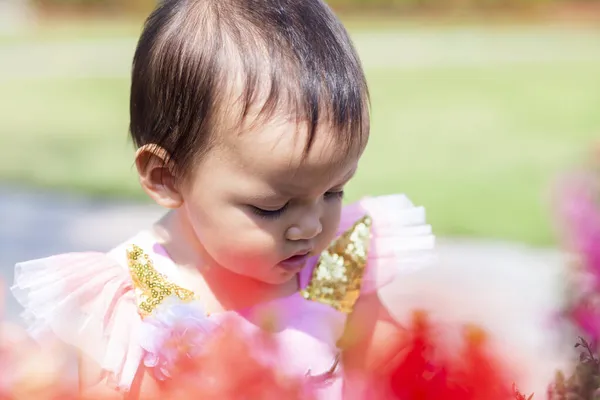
235	241
244	251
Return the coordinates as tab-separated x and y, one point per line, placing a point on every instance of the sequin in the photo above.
151	287
337	278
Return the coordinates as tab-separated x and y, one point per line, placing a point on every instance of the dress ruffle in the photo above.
86	300
401	240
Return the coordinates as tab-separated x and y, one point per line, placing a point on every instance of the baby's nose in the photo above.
307	229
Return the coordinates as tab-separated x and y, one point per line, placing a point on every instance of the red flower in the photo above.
434	368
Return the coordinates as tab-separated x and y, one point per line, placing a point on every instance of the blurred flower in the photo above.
579	213
29	370
585	314
579	216
205	359
174	331
235	364
433	367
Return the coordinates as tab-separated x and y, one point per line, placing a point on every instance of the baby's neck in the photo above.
218	288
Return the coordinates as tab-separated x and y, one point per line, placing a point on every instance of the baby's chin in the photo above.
280	277
266	272
275	276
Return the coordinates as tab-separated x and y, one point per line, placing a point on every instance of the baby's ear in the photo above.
157	175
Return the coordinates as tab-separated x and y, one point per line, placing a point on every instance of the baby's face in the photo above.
261	209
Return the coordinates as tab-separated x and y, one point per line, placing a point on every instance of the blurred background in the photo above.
478	107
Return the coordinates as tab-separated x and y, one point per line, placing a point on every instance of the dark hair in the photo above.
284	53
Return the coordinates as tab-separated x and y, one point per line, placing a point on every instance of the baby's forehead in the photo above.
270	160
278	148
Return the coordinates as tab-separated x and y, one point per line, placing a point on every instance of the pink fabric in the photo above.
401	240
87	300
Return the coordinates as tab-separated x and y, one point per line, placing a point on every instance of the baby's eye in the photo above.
338	194
270	214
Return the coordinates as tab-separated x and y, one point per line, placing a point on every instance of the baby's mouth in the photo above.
294	262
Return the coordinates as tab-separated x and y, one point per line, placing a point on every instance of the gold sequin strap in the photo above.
151	287
337	278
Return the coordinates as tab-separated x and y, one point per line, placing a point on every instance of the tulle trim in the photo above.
86	300
401	240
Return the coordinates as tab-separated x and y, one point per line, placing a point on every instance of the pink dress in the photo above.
93	302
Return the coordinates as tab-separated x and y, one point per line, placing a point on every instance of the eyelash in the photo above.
268	214
334	195
273	214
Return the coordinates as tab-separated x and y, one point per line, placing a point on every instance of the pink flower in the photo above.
174	331
580	212
587	319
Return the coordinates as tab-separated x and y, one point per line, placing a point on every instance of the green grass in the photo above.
72	29
65	133
105	28
52	30
479	146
